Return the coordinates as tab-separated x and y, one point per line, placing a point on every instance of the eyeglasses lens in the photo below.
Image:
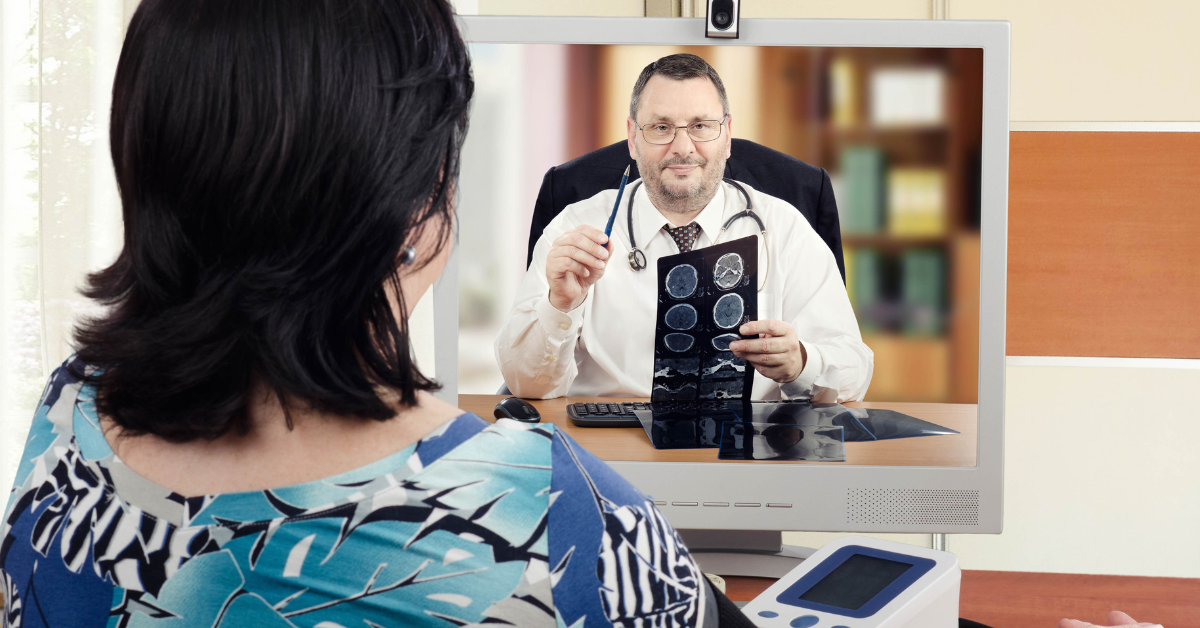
701	131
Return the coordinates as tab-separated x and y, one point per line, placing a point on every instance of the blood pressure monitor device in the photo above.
859	582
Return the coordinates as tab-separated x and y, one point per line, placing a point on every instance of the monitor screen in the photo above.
909	121
897	129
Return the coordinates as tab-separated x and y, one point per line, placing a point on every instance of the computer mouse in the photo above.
517	409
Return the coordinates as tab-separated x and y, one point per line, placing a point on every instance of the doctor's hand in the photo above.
1116	619
576	261
777	353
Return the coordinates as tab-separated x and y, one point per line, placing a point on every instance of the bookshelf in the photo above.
899	130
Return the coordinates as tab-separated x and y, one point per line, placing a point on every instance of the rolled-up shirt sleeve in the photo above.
536	346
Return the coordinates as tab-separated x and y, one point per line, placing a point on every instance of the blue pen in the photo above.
616	205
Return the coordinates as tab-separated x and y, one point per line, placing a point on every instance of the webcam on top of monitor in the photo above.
722	18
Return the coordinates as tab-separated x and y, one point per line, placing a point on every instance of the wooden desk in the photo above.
1013	599
631	444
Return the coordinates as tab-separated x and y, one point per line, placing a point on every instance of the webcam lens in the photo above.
722	18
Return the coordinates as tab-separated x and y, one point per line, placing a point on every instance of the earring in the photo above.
408	256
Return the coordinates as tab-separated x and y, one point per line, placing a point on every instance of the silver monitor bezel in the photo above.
817	493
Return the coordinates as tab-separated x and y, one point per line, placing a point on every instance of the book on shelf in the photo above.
843	93
865	271
923	292
916	202
861	174
908	97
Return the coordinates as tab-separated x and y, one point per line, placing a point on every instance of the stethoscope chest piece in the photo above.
637	259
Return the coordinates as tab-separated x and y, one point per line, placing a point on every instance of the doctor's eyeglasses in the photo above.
699	131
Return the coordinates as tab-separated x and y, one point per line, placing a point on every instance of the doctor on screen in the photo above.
583	321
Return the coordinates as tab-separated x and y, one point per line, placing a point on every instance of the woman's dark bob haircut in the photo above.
274	158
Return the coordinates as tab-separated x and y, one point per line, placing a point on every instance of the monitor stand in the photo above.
755	553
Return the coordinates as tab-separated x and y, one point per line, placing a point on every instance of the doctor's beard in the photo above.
682	197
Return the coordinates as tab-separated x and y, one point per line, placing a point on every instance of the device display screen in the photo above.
853	583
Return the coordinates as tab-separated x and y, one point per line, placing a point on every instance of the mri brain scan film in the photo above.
728	271
676	367
727	313
682	317
771	441
681	281
679	342
721	343
688	425
708	294
677	389
770	430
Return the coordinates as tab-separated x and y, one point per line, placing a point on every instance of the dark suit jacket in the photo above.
769	171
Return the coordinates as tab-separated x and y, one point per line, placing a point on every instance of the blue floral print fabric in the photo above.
504	524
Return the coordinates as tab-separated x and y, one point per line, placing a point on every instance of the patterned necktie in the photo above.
684	236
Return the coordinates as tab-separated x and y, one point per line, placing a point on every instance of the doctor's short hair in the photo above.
679	67
274	159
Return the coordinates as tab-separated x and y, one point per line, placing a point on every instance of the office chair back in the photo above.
805	186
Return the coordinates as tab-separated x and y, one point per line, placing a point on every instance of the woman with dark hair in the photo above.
244	439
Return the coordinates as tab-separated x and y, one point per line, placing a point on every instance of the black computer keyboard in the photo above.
606	414
624	414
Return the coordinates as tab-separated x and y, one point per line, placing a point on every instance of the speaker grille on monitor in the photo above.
912	506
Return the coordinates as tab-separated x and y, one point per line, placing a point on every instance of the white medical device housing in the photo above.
859	582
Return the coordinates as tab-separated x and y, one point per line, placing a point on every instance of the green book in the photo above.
923	290
862	172
867	282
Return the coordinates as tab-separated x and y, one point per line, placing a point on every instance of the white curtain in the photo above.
60	216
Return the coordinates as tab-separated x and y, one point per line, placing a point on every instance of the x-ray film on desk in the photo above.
859	424
776	441
706	424
687	425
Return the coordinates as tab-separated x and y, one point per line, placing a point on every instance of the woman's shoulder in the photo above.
67	385
67	406
470	437
606	536
578	470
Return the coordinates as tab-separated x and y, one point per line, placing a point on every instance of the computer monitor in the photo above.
910	118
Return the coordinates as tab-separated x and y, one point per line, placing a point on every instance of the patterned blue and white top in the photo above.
508	524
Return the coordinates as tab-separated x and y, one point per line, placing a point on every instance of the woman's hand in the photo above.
1116	619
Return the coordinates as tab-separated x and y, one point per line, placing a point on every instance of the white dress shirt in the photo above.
605	346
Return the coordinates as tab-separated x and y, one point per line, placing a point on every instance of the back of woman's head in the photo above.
274	159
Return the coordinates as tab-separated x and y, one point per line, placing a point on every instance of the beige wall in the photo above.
1104	61
878	9
1101	474
563	7
862	9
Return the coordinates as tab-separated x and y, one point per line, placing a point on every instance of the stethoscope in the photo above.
637	259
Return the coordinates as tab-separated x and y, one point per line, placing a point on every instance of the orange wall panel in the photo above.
1104	244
